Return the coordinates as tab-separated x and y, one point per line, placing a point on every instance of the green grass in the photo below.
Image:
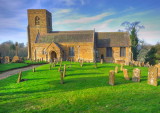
34	62
85	89
5	67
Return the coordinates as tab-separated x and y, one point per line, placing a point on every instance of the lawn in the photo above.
5	67
85	89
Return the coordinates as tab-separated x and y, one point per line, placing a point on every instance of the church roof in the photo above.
112	39
66	36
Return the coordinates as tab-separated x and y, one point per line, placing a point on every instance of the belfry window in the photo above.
37	20
71	51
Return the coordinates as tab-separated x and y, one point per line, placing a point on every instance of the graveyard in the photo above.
84	88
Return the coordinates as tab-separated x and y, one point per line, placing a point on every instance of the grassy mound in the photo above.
85	89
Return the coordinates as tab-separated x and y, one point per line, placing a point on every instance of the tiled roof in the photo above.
66	36
112	39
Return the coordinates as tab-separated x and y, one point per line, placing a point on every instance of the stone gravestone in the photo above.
7	59
158	66
121	67
116	69
61	77
101	61
19	77
111	77
125	73
15	59
153	75
64	71
136	75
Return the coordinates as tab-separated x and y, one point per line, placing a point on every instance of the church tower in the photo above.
39	22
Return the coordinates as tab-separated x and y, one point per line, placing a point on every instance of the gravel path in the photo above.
15	71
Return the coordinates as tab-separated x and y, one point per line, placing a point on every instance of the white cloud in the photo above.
61	11
85	19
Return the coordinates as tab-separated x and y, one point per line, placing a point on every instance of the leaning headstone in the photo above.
61	77
136	75
34	69
111	77
116	69
121	67
153	75
64	71
19	77
50	66
101	61
125	73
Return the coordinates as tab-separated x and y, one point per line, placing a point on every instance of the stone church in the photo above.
43	43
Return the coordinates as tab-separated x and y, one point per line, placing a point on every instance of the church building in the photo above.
87	45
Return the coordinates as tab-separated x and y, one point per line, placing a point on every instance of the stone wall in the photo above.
115	55
81	51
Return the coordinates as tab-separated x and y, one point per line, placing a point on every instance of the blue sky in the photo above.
103	15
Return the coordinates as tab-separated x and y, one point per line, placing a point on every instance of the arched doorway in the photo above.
53	55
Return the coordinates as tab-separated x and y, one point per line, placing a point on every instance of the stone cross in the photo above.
125	73
116	69
111	77
153	75
136	75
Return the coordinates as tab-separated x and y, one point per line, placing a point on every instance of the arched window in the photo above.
37	20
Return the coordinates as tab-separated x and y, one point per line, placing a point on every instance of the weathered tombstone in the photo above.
95	64
34	69
125	73
147	64
64	71
136	75
101	61
111	77
121	67
139	64
61	77
50	67
7	59
158	66
142	64
153	75
81	63
15	59
59	69
116	69
19	77
50	61
60	63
